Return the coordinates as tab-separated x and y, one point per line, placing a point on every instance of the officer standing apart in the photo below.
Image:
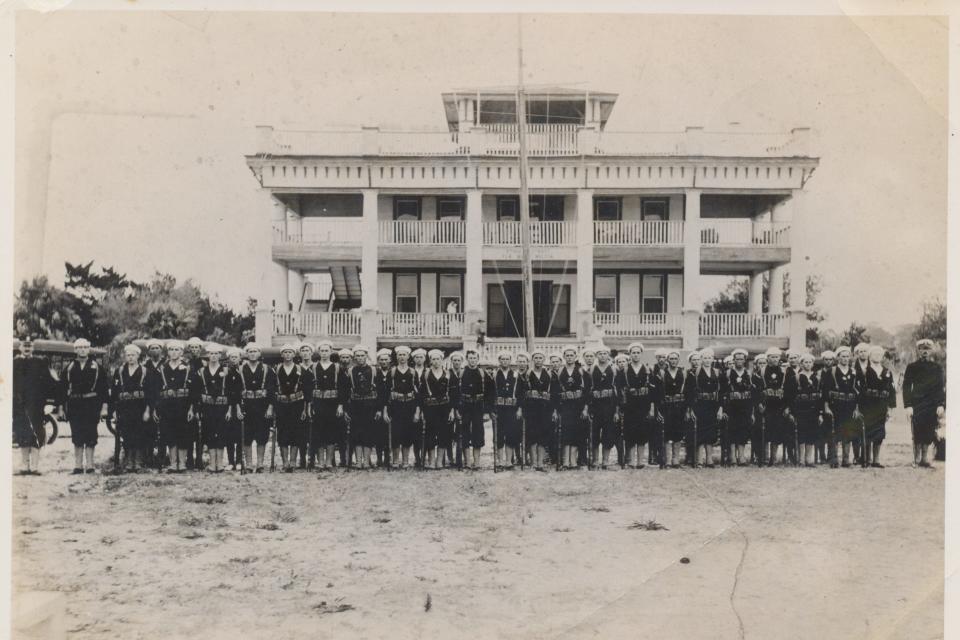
924	396
34	394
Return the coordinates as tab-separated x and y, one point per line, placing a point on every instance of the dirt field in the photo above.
773	553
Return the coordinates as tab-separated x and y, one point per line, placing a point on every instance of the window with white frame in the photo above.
450	209
449	287
406	293
653	295
605	293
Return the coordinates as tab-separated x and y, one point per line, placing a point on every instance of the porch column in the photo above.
798	274
274	287
473	280
368	270
780	212
295	282
692	304
584	264
755	300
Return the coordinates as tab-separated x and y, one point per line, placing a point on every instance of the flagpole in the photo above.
526	268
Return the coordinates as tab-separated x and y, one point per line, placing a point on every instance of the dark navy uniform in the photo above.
841	390
924	390
673	404
173	404
638	390
293	389
741	396
214	394
85	390
877	397
506	403
540	394
574	392
435	396
258	392
603	406
404	400
130	396
381	382
476	397
802	393
328	393
33	387
704	390
365	401
779	429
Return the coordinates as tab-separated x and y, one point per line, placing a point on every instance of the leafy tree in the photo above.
45	311
933	322
854	335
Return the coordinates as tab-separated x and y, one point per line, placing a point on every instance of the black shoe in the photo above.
925	465
259	470
34	472
877	465
91	471
77	471
22	472
845	465
711	466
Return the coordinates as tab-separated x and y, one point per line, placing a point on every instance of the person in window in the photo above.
877	396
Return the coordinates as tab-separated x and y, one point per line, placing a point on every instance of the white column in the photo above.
798	274
473	280
368	270
692	304
755	302
584	314
295	282
274	288
781	212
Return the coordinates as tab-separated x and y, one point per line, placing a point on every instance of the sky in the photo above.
131	127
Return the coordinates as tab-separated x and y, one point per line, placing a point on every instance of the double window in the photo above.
542	207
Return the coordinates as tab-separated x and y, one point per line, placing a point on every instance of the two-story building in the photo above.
420	234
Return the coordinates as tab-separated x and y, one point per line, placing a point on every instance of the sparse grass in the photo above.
268	526
286	516
190	521
381	520
649	525
205	499
600	509
428	604
246	560
338	606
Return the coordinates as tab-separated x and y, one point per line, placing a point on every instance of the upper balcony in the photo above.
543	140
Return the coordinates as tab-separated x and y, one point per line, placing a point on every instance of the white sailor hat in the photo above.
504	353
878	349
739	350
706	352
692	354
567	349
792	353
861	347
194	342
603	349
806	357
661	353
132	348
538	351
292	348
435	353
304	345
213	347
635	345
324	343
589	350
673	352
345	353
456	354
153	342
81	342
251	347
843	350
419	352
773	351
231	351
174	344
384	352
925	343
402	349
358	348
728	359
828	354
523	354
760	357
553	355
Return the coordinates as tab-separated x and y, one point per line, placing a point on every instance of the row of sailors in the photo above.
323	405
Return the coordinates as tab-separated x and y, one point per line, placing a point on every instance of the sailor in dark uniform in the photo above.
540	395
258	384
673	409
216	394
506	408
172	390
194	358
154	354
759	438
438	411
637	388
861	361
404	400
366	406
779	429
840	387
604	405
294	386
384	426
741	400
84	384
131	403
705	391
824	452
233	428
476	394
924	396
573	408
877	396
802	393
34	395
153	362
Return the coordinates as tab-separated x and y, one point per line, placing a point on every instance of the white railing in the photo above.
548	233
421	143
640	325
320	231
493	346
542	139
642	232
416	325
316	323
744	232
744	325
421	232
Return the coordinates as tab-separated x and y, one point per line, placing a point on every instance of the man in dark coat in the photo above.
924	396
33	388
131	404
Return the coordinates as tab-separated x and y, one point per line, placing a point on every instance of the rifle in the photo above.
242	448
389	442
273	445
559	443
834	464
117	467
623	442
693	458
663	441
762	454
310	464
345	462
591	455
199	460
160	446
863	443
423	441
458	427
725	457
796	442
523	442
600	438
913	439
496	443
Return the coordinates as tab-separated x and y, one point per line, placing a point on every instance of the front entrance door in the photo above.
551	311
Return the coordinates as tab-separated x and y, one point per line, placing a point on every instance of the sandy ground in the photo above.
773	553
